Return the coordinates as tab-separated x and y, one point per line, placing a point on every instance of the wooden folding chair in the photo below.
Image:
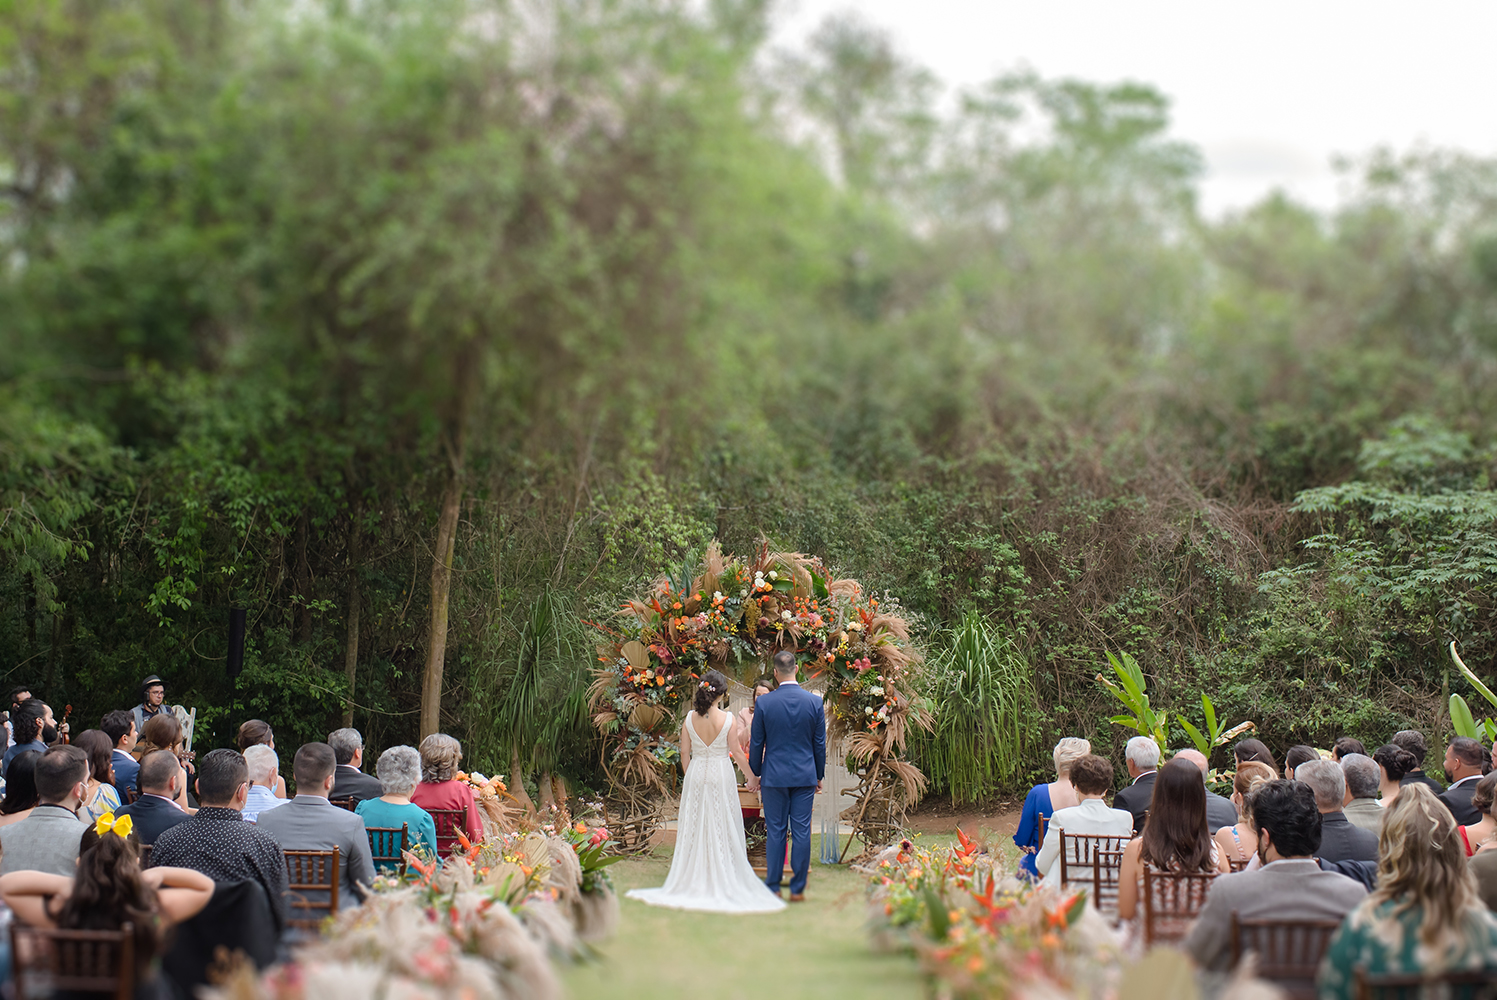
1172	901
1107	876
1289	951
313	872
48	962
350	803
449	822
1080	862
388	844
1436	986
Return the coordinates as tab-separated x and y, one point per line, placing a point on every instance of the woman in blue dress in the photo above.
1043	800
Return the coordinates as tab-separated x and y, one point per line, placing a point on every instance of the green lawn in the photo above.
816	949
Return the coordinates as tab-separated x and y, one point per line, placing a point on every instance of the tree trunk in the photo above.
544	789
351	650
517	781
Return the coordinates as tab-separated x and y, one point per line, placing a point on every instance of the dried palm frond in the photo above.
890	623
863	746
844	588
640	610
912	781
713	567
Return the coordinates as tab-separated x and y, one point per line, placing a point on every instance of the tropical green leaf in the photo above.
1460	717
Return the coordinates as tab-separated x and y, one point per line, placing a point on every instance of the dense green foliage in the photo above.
276	277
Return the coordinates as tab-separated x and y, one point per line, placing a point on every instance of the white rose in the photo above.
867	709
785	615
743	593
855	627
773	575
877	692
758	574
717	595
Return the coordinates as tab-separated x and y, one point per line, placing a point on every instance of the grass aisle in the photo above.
816	949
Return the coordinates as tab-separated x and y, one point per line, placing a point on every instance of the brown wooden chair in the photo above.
145	856
1172	901
131	795
388	844
449	822
1044	828
1289	951
1437	986
50	961
1095	860
349	803
1107	875
1237	865
310	874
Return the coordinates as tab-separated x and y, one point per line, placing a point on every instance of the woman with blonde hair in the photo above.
439	789
1239	843
1424	917
1042	801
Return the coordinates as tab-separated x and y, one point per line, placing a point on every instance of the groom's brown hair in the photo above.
784	664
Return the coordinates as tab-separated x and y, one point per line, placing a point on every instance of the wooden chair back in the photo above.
145	856
310	874
1107	875
349	803
1044	828
1172	901
1437	986
388	844
131	795
47	961
1289	951
449	822
1083	854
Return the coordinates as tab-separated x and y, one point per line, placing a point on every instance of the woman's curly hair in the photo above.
440	755
108	892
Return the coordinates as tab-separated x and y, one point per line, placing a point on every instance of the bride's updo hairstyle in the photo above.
714	685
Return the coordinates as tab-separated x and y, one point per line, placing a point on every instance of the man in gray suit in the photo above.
309	822
1289	886
47	840
1363	779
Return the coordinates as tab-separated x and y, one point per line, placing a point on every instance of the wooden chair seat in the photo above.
310	875
388	844
47	961
1095	861
1289	951
350	803
1172	901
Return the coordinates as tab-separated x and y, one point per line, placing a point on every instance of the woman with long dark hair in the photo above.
20	788
164	732
101	796
1251	749
1175	839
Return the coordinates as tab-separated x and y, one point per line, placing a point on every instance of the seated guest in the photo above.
1174	839
1091	776
163	732
350	782
217	841
1289	885
258	733
1237	842
1424	917
101	797
1339	840
1484	830
1043	800
1394	762
47	840
1483	864
1363	781
160	786
1345	746
20	789
1465	763
264	771
309	822
1141	758
399	770
35	729
120	728
1412	740
1251	749
1221	814
108	890
1296	756
439	788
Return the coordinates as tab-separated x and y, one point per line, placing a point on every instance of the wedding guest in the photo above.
256	732
440	789
164	732
120	728
107	890
1345	746
217	841
1424	917
1483	865
101	797
20	789
156	809
1043	800
1289	885
1175	837
1251	749
1141	758
1412	740
1091	776
399	770
152	703
309	822
1237	842
1339	839
1465	763
1474	835
350	782
17	695
47	840
744	727
1296	756
1363	782
1221	813
35	729
264	771
1395	763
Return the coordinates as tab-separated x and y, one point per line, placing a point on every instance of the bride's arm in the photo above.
685	746
735	750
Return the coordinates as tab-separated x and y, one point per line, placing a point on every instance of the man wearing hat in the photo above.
152	697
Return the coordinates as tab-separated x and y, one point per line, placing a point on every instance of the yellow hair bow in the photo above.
108	824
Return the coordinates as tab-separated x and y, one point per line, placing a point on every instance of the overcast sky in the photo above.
1270	90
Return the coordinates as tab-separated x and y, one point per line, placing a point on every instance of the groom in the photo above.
787	751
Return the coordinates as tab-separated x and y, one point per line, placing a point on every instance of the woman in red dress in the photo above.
439	789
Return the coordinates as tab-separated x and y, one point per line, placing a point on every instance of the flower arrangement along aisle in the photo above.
731	614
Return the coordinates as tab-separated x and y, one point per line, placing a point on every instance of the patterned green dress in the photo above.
1373	940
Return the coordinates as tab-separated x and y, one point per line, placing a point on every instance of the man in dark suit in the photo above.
120	727
1340	840
155	810
1412	740
787	753
1220	812
348	781
1141	757
1464	761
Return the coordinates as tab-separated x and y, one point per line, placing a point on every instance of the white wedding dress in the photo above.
710	869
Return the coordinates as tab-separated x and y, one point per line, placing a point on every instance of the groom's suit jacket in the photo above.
787	743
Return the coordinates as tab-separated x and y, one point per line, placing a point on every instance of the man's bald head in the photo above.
1195	757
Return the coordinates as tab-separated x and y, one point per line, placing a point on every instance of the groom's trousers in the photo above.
790	806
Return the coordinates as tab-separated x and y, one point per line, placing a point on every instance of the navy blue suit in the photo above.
151	815
125	770
787	750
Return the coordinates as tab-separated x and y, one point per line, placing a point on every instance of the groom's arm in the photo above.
756	744
818	740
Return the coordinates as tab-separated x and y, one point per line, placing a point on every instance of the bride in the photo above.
710	869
